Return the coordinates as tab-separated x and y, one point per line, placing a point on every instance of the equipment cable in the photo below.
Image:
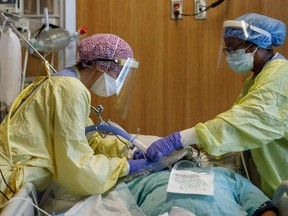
6	185
213	5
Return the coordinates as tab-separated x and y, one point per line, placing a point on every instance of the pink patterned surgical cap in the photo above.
104	46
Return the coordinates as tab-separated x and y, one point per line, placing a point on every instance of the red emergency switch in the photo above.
176	6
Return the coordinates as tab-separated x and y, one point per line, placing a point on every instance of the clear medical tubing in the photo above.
122	133
19	34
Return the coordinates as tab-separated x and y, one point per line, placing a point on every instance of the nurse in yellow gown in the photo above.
42	139
259	118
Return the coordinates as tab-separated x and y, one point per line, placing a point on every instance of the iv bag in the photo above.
11	69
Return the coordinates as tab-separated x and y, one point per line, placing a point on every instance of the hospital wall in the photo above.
177	84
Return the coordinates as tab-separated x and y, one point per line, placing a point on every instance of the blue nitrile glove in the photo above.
138	154
164	146
137	165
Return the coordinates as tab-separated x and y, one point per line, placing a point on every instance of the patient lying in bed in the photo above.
233	195
147	195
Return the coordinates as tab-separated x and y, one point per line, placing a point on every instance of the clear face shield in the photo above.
232	39
108	85
235	35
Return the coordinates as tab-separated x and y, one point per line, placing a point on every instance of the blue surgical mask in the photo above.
240	61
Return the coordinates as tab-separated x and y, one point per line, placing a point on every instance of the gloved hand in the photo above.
137	165
164	146
138	154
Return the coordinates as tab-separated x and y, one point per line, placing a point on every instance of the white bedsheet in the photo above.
118	201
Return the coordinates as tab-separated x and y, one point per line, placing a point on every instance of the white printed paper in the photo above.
189	182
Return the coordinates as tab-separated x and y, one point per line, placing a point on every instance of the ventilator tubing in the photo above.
122	133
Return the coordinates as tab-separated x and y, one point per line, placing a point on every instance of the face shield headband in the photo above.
242	25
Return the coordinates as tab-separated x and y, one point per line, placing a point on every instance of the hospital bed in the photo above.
22	205
25	202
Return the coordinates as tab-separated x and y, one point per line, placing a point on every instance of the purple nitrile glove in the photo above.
138	154
137	165
164	146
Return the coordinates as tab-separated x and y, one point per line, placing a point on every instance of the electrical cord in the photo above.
213	5
4	195
6	185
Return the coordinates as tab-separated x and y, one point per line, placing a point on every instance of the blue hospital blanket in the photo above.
233	195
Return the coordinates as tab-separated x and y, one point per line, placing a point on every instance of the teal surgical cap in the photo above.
259	29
